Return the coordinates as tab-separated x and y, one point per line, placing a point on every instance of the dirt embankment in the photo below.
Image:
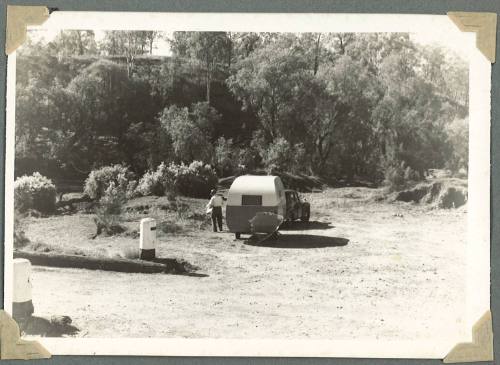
442	193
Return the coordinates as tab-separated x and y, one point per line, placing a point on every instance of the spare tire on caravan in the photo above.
249	195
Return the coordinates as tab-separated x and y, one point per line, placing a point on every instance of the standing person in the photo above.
215	206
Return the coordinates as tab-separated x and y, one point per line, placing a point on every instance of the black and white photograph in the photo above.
296	186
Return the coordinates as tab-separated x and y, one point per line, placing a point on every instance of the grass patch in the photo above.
170	227
131	253
38	247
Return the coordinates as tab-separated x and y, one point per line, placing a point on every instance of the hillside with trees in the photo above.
374	107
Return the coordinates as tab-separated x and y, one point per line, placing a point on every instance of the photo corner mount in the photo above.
12	347
18	19
481	347
485	27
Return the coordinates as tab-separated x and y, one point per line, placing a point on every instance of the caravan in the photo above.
249	195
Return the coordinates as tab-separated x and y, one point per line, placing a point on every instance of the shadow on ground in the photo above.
57	326
180	267
304	226
301	241
154	266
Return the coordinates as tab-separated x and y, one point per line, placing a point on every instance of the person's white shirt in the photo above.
215	201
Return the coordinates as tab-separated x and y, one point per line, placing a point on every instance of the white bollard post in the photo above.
22	306
147	243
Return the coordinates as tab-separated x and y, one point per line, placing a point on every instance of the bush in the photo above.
395	176
195	180
20	239
157	182
411	175
109	211
34	192
170	227
100	180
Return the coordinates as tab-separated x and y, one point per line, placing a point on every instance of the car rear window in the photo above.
251	200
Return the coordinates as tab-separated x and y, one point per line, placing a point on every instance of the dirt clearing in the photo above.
360	268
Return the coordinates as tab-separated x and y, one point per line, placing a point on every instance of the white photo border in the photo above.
478	243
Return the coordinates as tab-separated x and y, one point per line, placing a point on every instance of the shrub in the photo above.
395	176
20	239
169	226
411	175
100	180
35	192
132	191
157	182
195	180
109	211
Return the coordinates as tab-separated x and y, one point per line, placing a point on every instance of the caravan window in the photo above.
251	200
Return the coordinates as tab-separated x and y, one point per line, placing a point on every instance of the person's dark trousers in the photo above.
217	218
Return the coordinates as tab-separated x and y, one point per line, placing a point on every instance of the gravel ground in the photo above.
361	268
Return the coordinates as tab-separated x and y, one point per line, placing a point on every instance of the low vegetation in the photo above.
193	180
108	214
20	239
34	192
99	181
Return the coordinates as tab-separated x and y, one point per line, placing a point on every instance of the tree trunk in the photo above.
80	44
316	54
230	52
341	43
209	80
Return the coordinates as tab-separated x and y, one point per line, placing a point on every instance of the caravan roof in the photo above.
269	187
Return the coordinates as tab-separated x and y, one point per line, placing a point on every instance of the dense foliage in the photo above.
108	213
157	182
99	181
372	106
34	192
195	180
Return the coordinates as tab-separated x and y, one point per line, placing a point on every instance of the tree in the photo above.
75	42
129	44
212	50
150	37
224	157
206	118
458	140
283	156
102	103
410	117
189	142
268	81
340	105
